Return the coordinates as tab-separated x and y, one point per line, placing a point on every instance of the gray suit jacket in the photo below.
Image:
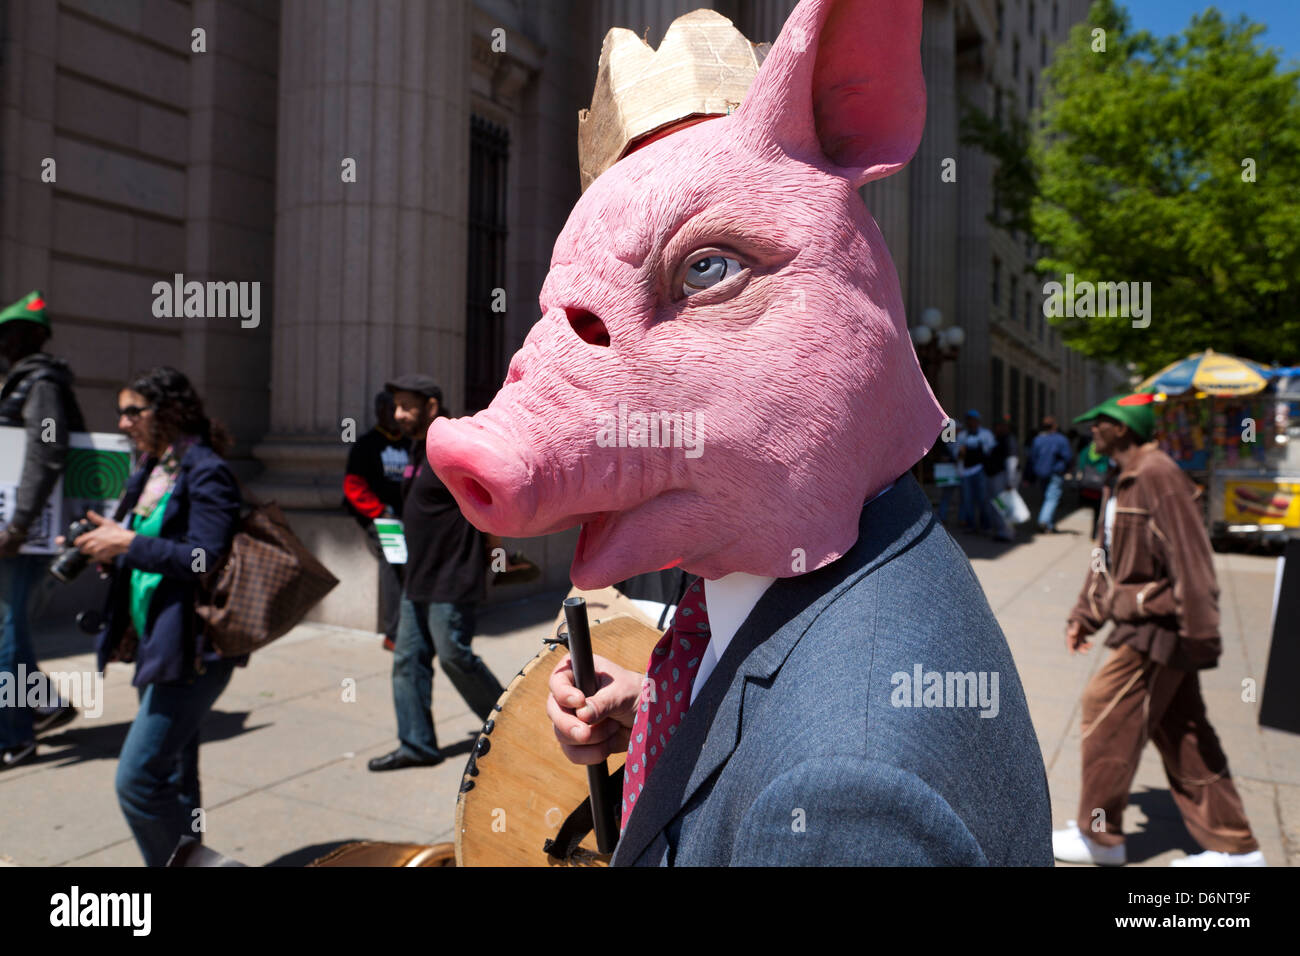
806	745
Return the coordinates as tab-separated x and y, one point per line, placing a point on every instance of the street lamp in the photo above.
935	344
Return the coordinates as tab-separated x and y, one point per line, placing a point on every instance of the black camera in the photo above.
72	562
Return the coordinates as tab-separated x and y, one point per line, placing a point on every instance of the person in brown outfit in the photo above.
1152	573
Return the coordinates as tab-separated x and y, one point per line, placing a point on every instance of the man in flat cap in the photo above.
445	579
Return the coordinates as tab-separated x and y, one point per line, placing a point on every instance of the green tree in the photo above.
1174	161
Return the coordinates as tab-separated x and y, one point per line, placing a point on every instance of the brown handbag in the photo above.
263	586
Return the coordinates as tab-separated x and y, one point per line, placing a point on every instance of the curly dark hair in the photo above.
178	410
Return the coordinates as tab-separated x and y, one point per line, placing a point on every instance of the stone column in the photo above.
889	201
544	192
974	279
229	228
369	275
932	259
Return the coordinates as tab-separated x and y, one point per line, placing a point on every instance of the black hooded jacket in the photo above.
38	391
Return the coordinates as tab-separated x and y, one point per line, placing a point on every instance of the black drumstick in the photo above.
603	815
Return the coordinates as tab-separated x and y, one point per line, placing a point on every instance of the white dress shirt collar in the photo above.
728	601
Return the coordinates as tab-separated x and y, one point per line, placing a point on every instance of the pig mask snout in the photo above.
488	475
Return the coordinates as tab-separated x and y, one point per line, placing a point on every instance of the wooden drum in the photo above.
518	787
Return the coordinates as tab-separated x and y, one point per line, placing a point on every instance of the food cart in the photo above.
1244	452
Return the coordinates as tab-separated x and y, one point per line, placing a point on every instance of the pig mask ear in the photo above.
843	85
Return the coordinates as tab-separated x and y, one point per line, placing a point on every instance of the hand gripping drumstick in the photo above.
584	675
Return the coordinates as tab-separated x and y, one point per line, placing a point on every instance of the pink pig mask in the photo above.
790	354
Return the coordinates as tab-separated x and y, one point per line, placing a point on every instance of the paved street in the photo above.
284	758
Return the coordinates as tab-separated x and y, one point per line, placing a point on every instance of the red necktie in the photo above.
666	691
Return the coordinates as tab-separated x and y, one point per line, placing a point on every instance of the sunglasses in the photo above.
133	412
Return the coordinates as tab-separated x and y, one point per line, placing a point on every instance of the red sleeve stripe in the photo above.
361	497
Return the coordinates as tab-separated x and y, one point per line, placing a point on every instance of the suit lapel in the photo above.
710	731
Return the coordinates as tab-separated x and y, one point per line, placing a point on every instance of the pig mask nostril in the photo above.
589	328
478	493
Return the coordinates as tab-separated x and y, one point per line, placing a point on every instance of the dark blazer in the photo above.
202	512
798	751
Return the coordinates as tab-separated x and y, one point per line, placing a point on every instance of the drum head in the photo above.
519	787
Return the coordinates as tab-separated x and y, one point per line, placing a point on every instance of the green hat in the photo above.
30	308
1132	410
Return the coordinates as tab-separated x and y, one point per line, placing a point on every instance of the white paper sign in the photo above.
392	539
94	476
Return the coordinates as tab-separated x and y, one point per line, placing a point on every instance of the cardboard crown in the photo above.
703	68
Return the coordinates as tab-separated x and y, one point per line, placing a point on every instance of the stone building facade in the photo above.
381	168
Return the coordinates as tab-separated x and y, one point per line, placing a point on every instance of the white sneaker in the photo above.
1072	846
1215	858
13	756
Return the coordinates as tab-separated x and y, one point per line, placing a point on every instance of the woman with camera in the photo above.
176	519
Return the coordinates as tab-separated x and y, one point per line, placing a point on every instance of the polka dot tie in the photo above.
666	691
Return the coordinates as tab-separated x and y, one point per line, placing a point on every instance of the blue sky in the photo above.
1170	16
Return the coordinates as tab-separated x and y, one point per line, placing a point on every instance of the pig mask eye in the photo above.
708	271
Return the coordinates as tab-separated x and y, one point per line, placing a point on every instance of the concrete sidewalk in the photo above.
284	754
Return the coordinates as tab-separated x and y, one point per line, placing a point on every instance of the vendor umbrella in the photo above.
1214	373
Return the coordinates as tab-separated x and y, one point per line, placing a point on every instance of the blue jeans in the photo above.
17	577
1051	498
975	498
427	630
158	770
